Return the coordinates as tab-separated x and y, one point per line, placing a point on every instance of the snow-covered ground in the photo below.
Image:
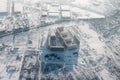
93	57
89	41
100	6
106	75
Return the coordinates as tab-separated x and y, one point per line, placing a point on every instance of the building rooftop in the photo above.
69	39
54	43
62	38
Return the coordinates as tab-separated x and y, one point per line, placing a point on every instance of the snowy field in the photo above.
95	59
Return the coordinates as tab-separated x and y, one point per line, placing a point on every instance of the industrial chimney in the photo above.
10	7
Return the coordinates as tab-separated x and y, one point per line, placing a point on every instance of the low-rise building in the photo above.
53	43
65	15
62	39
69	40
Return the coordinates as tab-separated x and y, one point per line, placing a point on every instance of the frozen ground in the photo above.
98	57
91	49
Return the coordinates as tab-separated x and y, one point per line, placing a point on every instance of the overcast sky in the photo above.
3	5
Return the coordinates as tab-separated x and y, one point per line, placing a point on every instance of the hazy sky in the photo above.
3	5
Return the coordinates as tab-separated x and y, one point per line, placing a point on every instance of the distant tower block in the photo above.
10	7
